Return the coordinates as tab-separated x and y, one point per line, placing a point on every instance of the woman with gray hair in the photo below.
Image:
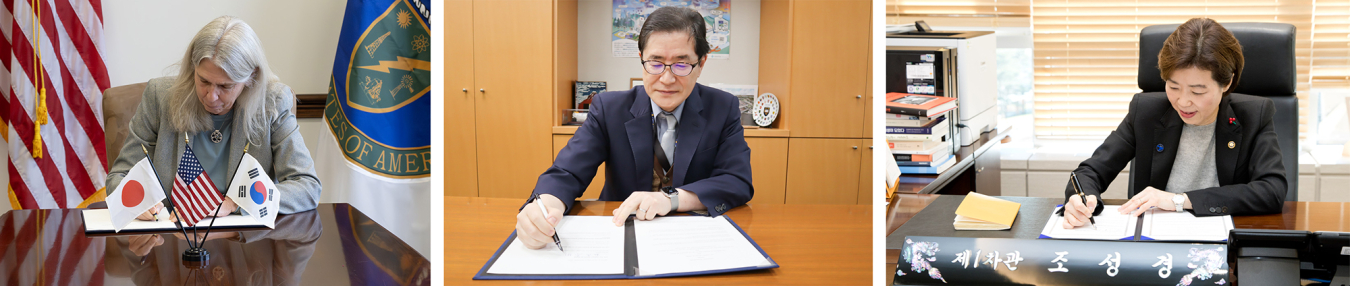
224	99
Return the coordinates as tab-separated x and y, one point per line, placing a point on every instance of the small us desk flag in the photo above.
194	195
253	191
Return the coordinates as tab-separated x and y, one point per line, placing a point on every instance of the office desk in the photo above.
813	244
1309	216
334	244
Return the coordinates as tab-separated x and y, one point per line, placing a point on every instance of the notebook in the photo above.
664	247
981	212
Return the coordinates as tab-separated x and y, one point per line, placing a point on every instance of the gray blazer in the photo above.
288	162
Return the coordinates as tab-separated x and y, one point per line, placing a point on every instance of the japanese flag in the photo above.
137	192
254	192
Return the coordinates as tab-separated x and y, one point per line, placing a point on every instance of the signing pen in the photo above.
556	240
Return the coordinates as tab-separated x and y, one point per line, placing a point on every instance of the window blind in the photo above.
1087	52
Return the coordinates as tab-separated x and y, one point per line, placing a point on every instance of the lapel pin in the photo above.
1160	148
1231	120
1231	145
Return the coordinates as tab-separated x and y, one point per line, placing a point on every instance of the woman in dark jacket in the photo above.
1197	146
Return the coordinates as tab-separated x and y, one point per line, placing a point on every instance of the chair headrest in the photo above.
1267	49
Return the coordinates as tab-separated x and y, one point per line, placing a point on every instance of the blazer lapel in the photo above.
690	131
1167	137
640	138
1225	157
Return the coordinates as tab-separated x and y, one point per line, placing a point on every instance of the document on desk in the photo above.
691	244
98	222
663	247
1111	225
1172	226
593	246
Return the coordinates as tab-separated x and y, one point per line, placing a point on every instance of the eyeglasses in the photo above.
658	68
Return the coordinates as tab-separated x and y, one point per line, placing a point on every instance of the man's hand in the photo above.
1076	213
150	213
647	204
532	228
1150	198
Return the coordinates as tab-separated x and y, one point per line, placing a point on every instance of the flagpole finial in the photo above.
185	138
246	148
147	152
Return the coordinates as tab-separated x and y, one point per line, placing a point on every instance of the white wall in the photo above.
144	39
596	62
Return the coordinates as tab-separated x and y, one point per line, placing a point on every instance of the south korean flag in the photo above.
254	192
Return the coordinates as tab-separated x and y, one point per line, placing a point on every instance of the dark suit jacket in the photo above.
1251	175
712	159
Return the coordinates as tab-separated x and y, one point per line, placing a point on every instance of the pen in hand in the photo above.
1073	178
540	203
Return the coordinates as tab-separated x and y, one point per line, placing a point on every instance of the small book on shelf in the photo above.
918	104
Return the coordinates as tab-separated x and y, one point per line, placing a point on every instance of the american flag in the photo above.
59	163
193	193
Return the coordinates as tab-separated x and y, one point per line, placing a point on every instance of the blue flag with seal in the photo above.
378	151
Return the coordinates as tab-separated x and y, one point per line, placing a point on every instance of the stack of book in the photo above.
919	132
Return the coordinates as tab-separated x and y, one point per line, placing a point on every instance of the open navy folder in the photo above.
664	247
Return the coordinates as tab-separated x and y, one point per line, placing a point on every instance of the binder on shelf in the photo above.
936	126
628	264
942	167
918	104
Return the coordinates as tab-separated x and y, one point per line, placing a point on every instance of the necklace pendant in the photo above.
216	136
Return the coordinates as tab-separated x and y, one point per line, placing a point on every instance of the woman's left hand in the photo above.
1148	199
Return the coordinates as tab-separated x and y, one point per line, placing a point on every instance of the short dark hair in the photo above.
1204	44
676	19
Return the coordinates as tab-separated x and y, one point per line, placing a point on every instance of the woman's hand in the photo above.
142	244
1076	213
1148	199
150	213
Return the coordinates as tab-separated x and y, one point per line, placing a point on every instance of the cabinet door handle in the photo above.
466	90
859	96
855	147
482	90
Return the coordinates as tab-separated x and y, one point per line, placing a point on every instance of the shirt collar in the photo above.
678	110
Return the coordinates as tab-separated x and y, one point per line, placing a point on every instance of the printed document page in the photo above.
680	244
1169	225
1111	225
591	244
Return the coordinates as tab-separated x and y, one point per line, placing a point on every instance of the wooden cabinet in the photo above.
823	171
500	85
830	48
768	166
866	194
461	147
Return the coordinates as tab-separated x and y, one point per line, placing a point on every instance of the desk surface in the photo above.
813	244
1309	216
311	248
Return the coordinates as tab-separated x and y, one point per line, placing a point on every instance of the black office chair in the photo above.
1269	71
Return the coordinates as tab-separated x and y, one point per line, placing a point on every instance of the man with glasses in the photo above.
672	145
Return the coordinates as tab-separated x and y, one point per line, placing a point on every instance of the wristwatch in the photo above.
1178	201
674	196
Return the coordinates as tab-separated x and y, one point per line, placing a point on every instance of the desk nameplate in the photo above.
960	260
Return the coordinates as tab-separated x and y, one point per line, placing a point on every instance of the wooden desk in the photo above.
334	244
813	244
960	179
1309	216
